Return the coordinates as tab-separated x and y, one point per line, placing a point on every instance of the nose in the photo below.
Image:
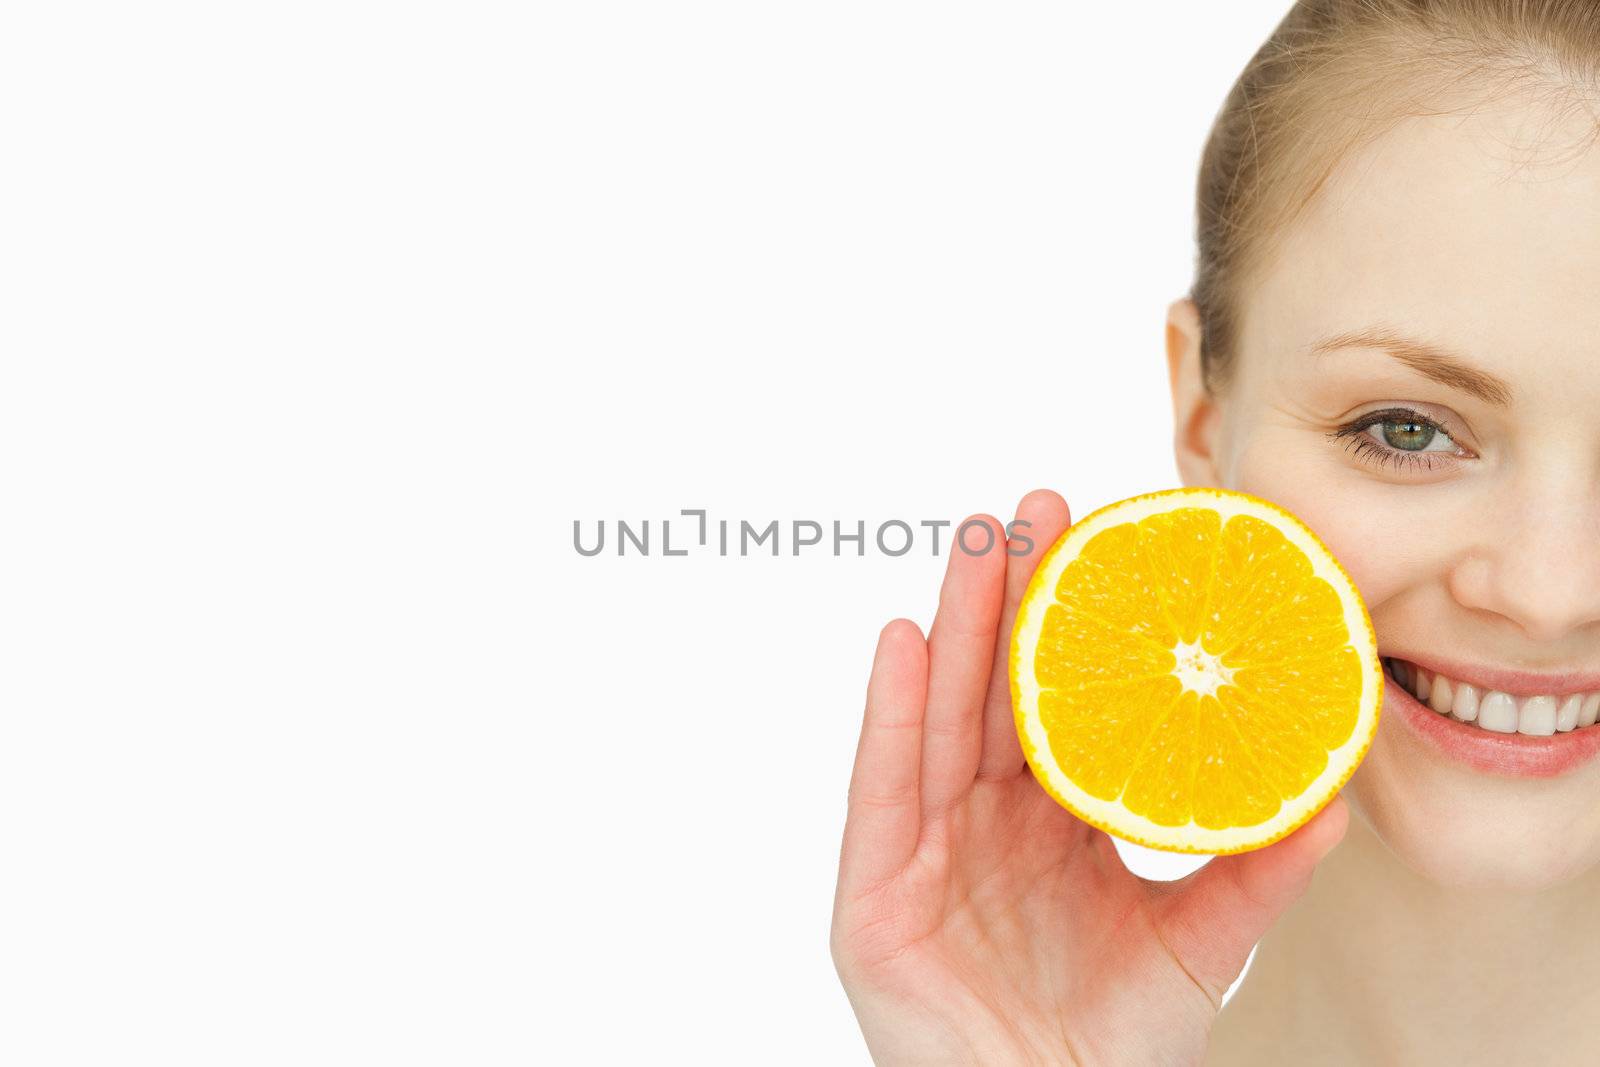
1537	563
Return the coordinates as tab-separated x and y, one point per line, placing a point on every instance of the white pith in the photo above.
1109	814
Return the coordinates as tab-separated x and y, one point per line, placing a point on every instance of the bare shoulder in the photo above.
1236	1041
1251	1031
1254	1028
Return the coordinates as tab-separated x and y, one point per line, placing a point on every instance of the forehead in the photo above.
1477	231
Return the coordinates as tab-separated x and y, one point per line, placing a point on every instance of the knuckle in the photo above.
865	799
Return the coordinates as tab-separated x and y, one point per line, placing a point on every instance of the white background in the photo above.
325	321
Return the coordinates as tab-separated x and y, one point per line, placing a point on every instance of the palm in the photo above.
978	921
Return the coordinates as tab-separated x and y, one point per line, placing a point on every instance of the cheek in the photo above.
1454	828
1361	520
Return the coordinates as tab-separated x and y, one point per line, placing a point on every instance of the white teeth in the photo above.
1567	714
1441	697
1497	711
1538	716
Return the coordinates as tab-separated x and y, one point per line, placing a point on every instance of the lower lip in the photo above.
1513	755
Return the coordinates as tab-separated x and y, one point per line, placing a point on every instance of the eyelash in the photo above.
1371	451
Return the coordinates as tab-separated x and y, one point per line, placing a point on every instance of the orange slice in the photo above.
1194	671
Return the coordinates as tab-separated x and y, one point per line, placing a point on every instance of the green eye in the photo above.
1399	435
1408	435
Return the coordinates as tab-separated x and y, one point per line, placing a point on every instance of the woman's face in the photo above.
1470	517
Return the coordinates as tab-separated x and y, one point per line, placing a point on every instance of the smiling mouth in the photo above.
1540	715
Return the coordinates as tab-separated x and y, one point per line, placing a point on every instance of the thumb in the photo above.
1211	923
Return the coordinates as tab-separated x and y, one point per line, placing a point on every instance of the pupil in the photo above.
1407	435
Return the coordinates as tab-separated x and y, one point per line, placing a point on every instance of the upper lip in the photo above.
1509	680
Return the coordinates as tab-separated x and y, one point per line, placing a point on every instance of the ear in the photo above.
1195	414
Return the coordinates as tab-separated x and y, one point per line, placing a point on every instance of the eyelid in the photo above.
1409	412
1440	417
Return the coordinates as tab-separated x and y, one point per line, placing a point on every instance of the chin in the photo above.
1462	829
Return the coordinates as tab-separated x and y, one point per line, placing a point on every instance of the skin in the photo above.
1452	918
1460	904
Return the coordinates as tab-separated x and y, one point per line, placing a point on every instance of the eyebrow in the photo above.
1426	359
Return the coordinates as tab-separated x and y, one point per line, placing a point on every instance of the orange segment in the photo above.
1088	728
1193	670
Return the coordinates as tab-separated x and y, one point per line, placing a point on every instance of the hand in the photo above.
977	921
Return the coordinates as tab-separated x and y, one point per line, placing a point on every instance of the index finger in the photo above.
1042	517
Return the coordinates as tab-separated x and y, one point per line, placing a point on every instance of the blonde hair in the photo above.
1335	74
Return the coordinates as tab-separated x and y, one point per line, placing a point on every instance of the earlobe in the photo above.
1194	409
